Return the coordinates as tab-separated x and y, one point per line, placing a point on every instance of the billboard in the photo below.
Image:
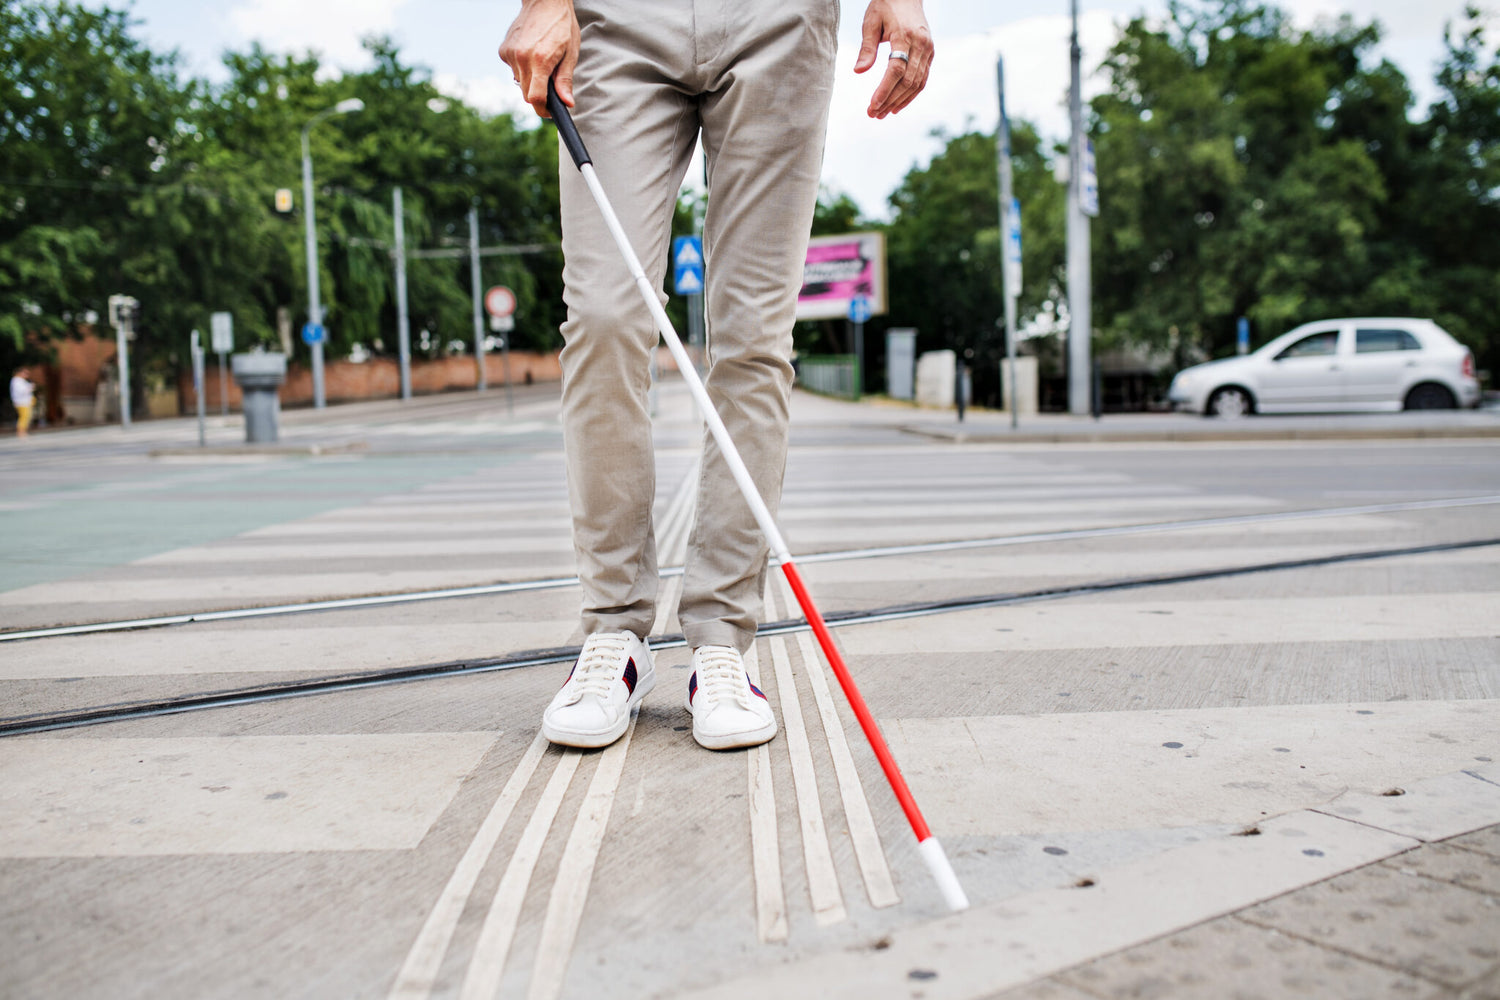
838	269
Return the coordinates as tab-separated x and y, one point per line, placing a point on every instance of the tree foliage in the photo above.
118	175
1246	168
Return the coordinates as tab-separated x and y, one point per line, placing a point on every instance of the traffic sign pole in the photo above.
403	317
500	303
860	309
1010	227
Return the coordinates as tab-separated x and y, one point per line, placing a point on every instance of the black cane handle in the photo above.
566	130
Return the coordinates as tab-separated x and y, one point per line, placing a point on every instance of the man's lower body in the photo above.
755	78
23	420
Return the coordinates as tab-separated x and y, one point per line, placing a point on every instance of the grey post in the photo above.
1009	284
403	320
259	377
314	302
196	350
222	330
122	339
122	318
1080	379
477	293
859	359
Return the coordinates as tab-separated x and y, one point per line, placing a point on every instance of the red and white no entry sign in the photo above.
500	301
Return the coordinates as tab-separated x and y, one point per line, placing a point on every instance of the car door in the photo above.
1382	364
1305	374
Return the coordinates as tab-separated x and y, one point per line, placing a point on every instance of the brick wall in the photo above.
380	378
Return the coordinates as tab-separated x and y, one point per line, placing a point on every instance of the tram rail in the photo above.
124	712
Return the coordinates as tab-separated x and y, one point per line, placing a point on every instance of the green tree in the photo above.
944	247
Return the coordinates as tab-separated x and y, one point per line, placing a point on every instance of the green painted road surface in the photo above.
55	533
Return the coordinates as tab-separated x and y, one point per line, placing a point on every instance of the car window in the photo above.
1372	341
1313	345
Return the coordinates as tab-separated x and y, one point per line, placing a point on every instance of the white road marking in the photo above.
1176	623
323	650
868	850
373	545
86	798
570	887
1096	771
420	971
194	592
765	845
487	965
822	877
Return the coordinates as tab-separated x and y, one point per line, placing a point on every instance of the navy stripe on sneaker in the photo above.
757	691
630	675
692	685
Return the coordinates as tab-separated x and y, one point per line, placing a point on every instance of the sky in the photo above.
457	41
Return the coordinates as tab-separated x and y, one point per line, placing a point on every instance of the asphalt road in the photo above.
1097	662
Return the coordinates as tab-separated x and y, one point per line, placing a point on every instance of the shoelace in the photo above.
597	665
721	676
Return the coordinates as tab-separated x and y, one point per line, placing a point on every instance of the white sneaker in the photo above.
728	711
612	675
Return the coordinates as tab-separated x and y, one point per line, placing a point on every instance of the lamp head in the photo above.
352	104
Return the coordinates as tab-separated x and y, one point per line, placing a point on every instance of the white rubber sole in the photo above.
584	740
732	741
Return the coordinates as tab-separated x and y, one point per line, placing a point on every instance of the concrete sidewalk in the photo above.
1162	755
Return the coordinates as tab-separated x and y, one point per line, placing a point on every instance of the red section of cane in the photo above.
857	702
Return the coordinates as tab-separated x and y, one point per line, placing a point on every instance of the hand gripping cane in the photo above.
931	851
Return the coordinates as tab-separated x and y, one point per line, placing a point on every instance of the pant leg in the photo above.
765	118
640	130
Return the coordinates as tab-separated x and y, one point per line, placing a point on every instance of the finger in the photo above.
906	91
912	81
562	77
534	88
872	33
889	83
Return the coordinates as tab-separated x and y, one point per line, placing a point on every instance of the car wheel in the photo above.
1430	396
1229	403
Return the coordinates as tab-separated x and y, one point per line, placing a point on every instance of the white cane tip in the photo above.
942	873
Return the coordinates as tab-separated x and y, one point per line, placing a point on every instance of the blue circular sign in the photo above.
860	309
313	333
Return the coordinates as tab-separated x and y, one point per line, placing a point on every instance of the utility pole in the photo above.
318	333
1080	333
1010	243
403	318
476	294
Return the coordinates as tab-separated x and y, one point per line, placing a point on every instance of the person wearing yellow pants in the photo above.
22	397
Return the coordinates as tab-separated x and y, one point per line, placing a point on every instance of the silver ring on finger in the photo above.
901	55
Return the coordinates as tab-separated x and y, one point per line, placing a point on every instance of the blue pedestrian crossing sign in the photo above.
860	309
313	333
687	265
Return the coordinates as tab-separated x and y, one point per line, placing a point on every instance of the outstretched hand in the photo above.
902	24
542	44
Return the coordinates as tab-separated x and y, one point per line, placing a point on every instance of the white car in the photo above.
1336	365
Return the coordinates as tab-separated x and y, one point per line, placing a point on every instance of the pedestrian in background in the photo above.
22	397
754	78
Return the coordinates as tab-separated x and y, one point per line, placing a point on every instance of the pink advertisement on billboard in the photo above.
839	268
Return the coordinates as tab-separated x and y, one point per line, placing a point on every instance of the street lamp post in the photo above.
314	303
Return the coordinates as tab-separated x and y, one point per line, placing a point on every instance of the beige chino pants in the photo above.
754	77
